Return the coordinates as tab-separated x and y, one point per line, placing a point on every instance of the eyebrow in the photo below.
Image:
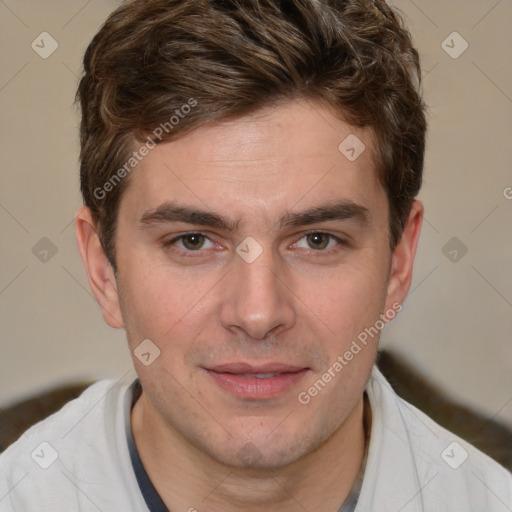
174	212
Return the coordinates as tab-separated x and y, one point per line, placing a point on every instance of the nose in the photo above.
257	300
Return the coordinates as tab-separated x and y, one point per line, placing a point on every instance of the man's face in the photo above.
220	311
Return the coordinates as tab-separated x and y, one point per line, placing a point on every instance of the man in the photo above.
249	173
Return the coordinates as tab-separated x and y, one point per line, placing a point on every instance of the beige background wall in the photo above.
457	322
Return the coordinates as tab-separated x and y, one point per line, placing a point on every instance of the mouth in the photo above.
256	382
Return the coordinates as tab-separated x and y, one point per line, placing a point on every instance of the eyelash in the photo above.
189	253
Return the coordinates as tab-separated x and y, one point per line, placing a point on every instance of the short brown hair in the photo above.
227	58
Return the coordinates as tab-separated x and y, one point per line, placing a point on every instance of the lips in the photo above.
239	368
248	381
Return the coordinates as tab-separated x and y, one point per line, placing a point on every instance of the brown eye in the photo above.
193	241
189	243
318	241
321	242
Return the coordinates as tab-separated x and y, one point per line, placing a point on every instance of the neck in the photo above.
188	479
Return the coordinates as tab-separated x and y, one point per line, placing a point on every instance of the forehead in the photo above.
298	152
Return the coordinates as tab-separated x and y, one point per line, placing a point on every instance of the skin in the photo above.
302	302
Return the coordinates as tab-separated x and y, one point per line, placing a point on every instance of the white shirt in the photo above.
78	460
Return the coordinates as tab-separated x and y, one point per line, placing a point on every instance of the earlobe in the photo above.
100	274
403	257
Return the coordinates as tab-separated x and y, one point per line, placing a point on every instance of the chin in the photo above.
266	451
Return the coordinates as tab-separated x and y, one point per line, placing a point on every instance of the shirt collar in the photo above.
153	500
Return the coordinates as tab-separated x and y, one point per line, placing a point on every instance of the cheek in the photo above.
161	304
147	298
349	300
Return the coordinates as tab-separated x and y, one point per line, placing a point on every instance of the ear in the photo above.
402	258
100	273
